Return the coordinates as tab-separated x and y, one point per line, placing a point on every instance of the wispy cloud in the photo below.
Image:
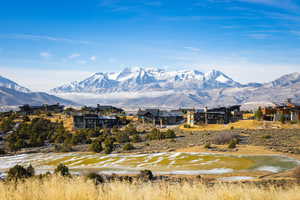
43	37
45	54
192	49
285	4
259	36
74	55
93	58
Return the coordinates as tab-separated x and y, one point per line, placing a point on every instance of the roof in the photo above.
95	116
159	113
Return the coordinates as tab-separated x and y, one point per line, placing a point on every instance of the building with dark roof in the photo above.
160	117
29	110
93	121
221	115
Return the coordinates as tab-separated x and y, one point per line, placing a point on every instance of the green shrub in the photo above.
145	175
96	178
207	146
96	146
156	134
136	138
2	151
282	118
267	137
62	170
187	126
232	144
128	147
258	114
19	172
122	137
170	134
108	145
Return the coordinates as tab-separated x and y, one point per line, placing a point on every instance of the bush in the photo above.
267	137
187	126
62	170
19	172
96	178
128	147
122	137
63	148
155	134
232	144
145	175
207	146
2	151
96	146
136	138
130	129
282	118
108	145
224	138
258	114
170	134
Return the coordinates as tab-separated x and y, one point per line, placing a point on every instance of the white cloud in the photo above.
74	55
259	36
93	58
43	37
45	54
192	49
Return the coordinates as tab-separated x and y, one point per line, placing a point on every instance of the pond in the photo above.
159	163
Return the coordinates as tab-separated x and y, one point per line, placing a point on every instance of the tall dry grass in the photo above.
58	188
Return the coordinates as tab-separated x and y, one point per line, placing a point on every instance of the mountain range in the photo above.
12	94
153	87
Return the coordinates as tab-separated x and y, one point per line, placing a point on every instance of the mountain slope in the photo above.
12	94
4	82
10	97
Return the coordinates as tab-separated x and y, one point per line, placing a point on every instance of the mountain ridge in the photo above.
154	87
12	94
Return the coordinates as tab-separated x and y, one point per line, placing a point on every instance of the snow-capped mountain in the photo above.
6	83
12	94
149	79
152	87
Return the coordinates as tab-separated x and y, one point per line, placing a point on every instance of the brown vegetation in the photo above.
79	188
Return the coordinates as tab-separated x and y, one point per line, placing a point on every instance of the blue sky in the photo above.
44	44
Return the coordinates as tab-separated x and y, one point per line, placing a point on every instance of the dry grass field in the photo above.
58	188
243	124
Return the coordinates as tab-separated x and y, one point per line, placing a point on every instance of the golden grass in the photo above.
58	188
242	124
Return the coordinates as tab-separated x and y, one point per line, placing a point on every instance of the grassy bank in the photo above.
58	188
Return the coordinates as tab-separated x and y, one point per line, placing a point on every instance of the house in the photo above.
222	115
93	121
102	109
29	110
160	117
289	110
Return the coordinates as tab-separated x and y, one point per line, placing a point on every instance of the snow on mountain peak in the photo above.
4	82
139	79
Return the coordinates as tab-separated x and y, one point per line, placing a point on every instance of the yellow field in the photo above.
58	188
243	124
